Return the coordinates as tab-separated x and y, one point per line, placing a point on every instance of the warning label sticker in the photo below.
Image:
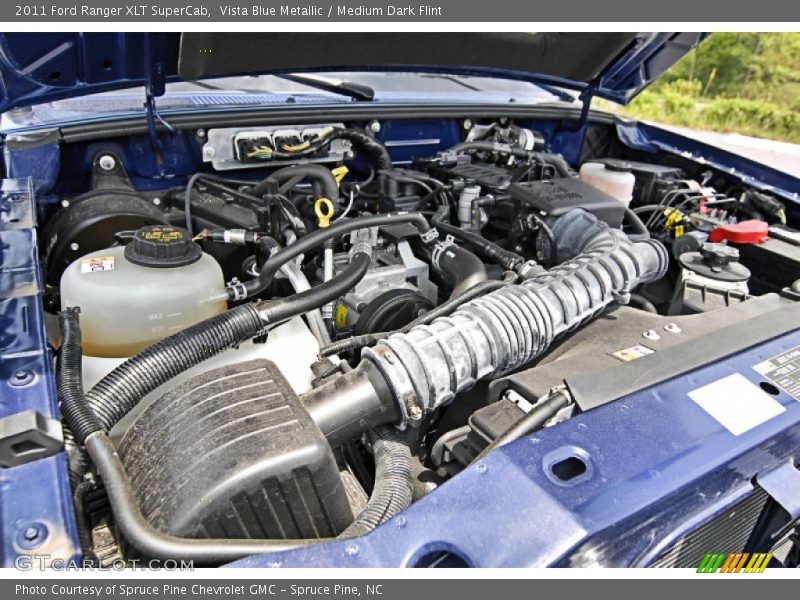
632	353
96	264
784	371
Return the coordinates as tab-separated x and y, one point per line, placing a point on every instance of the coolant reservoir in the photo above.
613	177
133	296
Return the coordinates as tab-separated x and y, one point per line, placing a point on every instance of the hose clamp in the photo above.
236	290
363	240
429	236
440	248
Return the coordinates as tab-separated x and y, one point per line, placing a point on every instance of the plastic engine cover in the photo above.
233	453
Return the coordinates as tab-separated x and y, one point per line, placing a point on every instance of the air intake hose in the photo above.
501	331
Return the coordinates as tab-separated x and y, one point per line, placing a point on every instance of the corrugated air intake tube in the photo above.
501	331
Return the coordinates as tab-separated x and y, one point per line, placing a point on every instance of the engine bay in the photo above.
326	322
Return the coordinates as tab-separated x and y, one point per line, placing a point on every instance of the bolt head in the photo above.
374	126
22	378
107	162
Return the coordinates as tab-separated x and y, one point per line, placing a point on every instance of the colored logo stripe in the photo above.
734	563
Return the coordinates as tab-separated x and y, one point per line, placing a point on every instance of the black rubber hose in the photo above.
81	420
312	240
557	162
315	172
394	480
119	391
391	494
496	147
368	145
506	258
459	267
69	380
540	414
442	310
640	229
639	301
286	308
551	239
156	544
554	160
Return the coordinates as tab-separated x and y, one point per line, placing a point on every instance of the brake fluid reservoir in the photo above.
612	176
133	296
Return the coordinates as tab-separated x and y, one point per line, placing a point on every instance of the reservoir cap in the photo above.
617	165
162	246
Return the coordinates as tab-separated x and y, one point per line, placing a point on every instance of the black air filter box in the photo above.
232	453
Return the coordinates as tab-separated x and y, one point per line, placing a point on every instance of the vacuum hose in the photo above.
312	171
506	258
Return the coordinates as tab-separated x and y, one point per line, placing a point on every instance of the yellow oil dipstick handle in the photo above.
323	208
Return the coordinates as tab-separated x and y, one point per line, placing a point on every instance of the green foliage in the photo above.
743	82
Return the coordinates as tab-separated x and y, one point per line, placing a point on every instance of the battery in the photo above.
774	264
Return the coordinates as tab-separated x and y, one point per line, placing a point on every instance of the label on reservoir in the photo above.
97	264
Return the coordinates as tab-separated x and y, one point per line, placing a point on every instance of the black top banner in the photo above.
353	11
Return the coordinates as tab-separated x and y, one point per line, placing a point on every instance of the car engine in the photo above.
306	337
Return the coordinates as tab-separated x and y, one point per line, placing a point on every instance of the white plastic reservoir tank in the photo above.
135	295
613	177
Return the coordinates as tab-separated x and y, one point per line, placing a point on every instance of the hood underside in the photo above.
42	67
